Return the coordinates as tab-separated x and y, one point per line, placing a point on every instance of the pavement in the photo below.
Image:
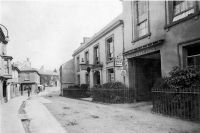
10	120
40	120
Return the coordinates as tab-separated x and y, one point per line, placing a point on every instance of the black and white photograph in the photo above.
99	66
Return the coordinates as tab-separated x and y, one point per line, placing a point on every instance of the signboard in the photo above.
118	62
123	72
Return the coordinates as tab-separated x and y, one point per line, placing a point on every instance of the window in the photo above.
78	79
182	9
78	63
86	57
96	55
111	75
26	76
87	78
193	56
110	47
142	24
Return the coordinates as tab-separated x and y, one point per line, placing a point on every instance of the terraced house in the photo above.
141	45
99	59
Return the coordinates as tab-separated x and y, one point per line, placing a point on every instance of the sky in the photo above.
48	31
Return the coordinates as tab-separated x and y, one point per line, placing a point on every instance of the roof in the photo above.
29	70
48	72
112	25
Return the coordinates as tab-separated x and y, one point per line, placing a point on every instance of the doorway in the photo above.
97	80
147	72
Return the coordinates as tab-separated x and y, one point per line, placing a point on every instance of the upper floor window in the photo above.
96	55
110	47
182	9
142	22
86	57
26	76
78	63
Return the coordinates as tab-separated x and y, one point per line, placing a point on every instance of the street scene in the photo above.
103	66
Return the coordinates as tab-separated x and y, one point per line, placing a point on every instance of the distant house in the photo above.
67	74
29	77
49	78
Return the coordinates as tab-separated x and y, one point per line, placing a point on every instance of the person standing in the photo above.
28	90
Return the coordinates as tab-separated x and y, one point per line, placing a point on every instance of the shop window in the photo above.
111	75
96	55
110	47
182	9
142	24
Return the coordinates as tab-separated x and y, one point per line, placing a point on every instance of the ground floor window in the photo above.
193	55
97	78
78	79
111	75
87	78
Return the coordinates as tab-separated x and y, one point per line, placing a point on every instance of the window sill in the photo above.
167	26
142	37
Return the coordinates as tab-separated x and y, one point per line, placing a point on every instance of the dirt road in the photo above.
85	117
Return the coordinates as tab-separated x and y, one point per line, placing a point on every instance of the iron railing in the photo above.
184	104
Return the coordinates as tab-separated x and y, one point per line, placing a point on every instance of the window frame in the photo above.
78	63
169	8
95	53
86	60
108	78
106	43
137	23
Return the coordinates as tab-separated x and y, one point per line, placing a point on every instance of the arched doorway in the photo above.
97	78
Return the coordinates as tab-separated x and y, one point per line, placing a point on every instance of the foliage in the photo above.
178	95
113	92
77	91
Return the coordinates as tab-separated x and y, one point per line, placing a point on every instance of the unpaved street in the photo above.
85	117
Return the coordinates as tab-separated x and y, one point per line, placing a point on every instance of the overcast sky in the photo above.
48	31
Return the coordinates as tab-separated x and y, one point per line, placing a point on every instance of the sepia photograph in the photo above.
99	66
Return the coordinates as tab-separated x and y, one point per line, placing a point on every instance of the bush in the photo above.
114	92
77	91
178	94
180	80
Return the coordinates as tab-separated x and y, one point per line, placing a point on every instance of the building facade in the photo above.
158	36
99	59
13	85
5	68
67	74
29	77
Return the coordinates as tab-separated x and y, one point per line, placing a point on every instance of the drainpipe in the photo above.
123	50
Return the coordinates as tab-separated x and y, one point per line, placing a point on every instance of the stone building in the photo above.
67	74
141	45
29	77
99	59
5	67
159	35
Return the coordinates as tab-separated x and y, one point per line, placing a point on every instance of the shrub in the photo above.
113	92
178	94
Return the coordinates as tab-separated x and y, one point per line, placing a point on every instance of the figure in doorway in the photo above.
28	90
